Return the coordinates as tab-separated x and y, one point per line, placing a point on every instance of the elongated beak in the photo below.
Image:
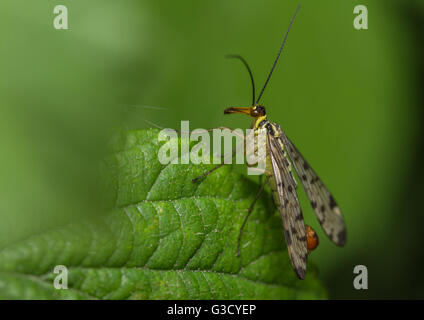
244	110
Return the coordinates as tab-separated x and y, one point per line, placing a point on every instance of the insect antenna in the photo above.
234	56
279	53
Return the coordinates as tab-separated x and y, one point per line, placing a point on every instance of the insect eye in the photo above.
257	111
260	110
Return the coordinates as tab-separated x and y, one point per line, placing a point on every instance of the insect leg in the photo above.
223	157
247	216
188	132
222	128
204	174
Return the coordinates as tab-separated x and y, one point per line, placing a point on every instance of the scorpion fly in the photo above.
281	157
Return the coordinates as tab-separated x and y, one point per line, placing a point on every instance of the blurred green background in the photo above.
350	100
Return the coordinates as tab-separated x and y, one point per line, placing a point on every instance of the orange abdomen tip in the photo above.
311	238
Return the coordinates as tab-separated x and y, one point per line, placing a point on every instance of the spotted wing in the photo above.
323	203
283	186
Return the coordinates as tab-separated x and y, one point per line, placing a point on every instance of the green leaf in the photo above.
165	237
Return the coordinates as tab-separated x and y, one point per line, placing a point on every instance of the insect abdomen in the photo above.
311	238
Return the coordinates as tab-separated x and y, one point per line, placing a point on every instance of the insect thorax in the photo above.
271	128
